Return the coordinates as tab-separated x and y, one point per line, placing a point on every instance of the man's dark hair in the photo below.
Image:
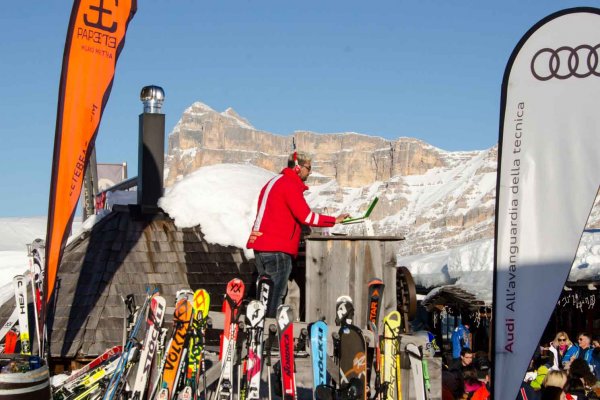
586	334
465	350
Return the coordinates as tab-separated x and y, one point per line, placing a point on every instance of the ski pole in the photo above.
239	362
208	322
398	366
269	344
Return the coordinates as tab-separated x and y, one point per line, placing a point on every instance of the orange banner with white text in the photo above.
94	41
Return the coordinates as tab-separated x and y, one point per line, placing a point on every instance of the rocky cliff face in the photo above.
206	137
437	199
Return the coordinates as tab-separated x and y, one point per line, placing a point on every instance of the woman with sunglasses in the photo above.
559	347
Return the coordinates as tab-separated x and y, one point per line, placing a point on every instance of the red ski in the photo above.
285	327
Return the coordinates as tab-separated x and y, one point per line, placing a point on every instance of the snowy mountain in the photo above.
437	199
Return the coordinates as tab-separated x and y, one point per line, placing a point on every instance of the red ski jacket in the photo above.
281	210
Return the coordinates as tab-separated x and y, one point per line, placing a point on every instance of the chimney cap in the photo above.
152	97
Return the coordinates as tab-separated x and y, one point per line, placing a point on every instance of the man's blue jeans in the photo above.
279	267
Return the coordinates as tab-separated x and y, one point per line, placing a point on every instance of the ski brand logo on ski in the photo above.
21	299
287	365
256	312
200	297
179	339
283	319
321	354
159	315
264	294
236	287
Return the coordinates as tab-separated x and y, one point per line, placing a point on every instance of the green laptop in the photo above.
369	210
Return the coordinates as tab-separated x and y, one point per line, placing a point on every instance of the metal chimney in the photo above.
151	156
153	98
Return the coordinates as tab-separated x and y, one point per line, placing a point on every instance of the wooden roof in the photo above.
453	295
129	252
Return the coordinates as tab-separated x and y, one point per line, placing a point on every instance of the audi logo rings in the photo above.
565	62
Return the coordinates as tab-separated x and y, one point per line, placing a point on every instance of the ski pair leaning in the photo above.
250	366
182	364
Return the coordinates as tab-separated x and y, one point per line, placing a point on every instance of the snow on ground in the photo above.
16	233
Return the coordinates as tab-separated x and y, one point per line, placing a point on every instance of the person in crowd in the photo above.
596	342
484	376
575	389
580	381
458	366
552	386
460	339
552	393
275	235
471	380
581	369
555	379
452	387
558	347
532	383
583	350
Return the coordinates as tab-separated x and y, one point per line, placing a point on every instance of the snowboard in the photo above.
352	363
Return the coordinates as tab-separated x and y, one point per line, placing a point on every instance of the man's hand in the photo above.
341	217
254	235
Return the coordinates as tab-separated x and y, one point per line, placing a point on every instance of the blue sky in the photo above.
429	69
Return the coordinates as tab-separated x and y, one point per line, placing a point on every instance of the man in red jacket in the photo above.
276	231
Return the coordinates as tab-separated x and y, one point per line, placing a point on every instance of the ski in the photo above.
176	349
233	299
286	351
90	382
380	387
375	295
391	356
96	362
12	320
416	365
375	289
21	299
268	346
117	381
255	313
200	310
10	342
153	323
353	363
318	351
